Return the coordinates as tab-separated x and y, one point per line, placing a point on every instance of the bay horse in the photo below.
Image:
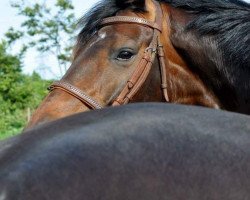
131	152
179	51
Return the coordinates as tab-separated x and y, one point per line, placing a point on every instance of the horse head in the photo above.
126	53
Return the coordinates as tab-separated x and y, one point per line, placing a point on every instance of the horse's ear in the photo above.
132	4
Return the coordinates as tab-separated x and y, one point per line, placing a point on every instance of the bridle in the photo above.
141	72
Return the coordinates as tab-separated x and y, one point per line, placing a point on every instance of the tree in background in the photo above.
19	93
50	31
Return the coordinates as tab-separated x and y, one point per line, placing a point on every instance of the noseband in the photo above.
142	70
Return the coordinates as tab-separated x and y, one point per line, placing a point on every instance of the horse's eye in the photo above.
124	55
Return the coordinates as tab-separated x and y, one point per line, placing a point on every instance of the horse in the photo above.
179	51
158	151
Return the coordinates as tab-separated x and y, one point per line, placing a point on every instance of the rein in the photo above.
141	72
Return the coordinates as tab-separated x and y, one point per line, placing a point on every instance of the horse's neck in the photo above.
207	61
184	85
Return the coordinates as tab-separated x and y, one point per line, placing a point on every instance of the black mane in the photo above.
228	21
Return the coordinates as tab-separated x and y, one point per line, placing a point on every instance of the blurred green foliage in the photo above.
46	29
19	94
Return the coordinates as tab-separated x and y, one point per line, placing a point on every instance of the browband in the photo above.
127	19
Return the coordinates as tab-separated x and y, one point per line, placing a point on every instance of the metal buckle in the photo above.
153	50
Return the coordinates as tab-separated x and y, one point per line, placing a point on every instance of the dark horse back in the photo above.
145	151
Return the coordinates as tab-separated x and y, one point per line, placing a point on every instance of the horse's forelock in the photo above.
106	8
138	5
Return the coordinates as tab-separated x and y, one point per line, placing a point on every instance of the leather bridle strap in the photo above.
163	68
74	91
161	55
140	74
